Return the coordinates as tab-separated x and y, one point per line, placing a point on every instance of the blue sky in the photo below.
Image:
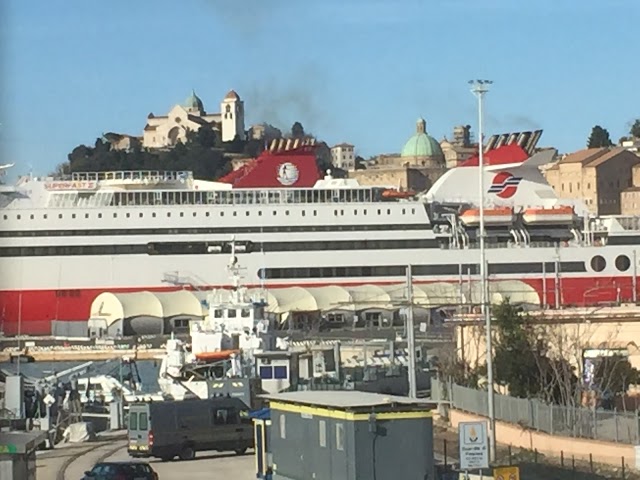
360	71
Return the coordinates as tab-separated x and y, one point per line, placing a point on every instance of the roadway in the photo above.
69	462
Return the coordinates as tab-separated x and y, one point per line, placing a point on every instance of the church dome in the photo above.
193	102
421	144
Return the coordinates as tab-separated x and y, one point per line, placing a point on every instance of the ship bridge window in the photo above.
231	313
141	214
218	313
245	313
598	263
59	215
623	263
32	216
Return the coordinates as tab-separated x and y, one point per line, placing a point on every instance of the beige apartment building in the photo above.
597	175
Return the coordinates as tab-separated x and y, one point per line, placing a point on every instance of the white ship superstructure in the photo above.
64	241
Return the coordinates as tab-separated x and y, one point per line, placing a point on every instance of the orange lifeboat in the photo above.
393	194
492	216
557	215
215	356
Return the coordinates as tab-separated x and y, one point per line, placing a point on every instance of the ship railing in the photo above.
512	245
134	175
628	222
248	197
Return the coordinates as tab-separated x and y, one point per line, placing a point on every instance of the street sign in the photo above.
474	445
506	473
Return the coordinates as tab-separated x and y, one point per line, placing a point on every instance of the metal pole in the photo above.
634	295
480	88
411	341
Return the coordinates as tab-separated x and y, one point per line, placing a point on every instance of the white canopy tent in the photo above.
114	307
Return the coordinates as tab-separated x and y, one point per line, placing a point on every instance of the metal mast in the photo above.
479	89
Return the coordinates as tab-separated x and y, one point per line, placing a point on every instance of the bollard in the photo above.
591	462
535	455
444	443
624	476
509	454
561	458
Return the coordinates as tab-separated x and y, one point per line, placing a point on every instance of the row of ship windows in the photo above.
203	248
432	270
283	228
303	213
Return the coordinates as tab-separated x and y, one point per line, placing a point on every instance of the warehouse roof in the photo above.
346	399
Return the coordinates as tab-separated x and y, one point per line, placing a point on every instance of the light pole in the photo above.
479	89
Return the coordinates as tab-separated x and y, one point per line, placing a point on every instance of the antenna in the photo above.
232	267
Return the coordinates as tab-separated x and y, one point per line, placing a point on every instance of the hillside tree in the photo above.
634	131
599	138
297	130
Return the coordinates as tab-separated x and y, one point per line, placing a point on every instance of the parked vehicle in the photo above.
121	471
182	428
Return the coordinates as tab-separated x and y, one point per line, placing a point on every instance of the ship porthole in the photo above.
598	263
623	263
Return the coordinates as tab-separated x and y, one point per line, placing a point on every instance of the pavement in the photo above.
207	465
77	458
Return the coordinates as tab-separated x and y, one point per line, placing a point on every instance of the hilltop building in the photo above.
167	130
460	148
420	163
343	156
599	176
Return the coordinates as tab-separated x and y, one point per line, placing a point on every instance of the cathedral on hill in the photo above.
165	131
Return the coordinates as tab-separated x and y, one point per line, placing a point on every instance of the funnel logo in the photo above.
288	174
504	185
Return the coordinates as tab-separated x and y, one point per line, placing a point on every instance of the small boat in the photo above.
492	216
391	194
556	215
216	355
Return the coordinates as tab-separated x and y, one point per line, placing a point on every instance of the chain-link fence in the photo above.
598	424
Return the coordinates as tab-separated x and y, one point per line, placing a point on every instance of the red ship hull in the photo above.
31	312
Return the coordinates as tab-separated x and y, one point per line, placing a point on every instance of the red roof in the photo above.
499	156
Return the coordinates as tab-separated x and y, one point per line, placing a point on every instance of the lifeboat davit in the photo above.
390	193
557	215
492	216
215	356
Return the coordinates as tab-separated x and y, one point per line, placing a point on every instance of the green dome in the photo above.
193	102
422	144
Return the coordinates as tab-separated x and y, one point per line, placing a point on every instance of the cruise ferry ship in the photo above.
64	241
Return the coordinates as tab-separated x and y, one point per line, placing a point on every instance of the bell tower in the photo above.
232	115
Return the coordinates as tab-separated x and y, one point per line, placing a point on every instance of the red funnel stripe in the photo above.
292	168
499	156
